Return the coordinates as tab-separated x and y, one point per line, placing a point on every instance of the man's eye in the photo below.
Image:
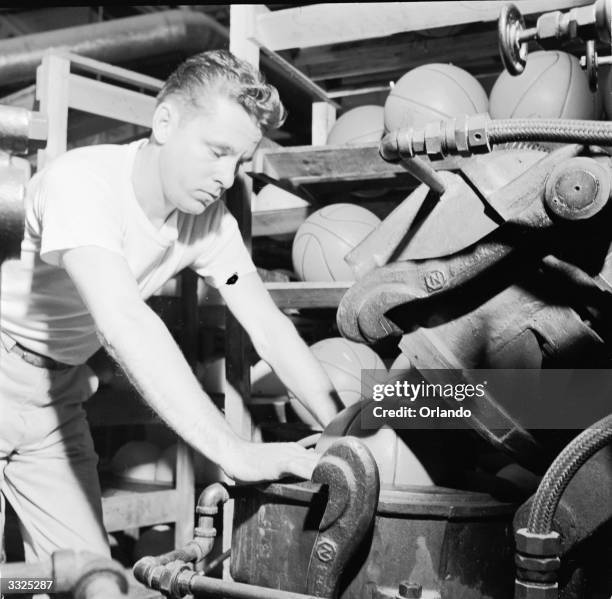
217	153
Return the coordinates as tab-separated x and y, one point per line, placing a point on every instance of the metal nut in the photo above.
537	577
541	545
461	136
583	22
538	564
526	590
404	143
433	139
418	141
478	139
409	590
549	25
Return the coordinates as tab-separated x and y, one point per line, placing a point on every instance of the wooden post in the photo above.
185	476
52	94
238	382
323	118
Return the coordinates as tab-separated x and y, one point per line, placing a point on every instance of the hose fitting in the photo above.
463	135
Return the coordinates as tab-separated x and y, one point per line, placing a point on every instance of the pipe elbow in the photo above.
388	148
211	497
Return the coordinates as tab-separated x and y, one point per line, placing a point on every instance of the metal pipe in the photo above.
213	588
117	41
196	549
19	126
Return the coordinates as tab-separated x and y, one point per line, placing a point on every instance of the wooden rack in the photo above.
350	50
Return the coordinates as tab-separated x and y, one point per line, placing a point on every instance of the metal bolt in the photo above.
409	590
577	188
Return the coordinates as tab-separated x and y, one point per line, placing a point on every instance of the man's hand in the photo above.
259	462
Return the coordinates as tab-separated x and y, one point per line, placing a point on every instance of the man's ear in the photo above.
164	119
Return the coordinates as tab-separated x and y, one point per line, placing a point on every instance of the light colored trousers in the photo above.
47	461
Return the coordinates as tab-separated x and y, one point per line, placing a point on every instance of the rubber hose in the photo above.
550	130
561	472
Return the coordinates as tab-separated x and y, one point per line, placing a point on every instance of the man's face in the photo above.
202	152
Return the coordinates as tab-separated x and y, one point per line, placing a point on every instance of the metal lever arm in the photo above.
349	470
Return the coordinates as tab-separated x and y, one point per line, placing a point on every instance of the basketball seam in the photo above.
522	97
340	368
357	358
422	105
334	234
332	208
325	262
569	84
303	260
458	85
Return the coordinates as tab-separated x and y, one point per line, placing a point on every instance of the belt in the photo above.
37	360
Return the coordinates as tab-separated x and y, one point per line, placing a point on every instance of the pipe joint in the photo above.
463	136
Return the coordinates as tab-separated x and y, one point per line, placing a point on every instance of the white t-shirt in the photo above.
85	198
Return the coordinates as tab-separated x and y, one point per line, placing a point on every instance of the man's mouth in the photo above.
205	196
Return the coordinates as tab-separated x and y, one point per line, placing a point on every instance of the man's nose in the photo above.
226	173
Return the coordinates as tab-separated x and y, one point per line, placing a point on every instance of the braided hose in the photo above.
550	130
561	472
474	134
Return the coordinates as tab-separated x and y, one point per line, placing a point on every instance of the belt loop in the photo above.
7	341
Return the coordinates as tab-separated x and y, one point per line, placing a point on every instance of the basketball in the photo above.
326	237
359	125
433	92
343	361
397	464
165	468
402	362
553	85
136	461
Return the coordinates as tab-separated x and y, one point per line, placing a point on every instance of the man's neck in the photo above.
147	185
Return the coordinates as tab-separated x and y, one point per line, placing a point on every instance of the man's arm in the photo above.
137	338
278	343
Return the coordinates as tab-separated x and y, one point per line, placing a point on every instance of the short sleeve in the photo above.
75	210
224	258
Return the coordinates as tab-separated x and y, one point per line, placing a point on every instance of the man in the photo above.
105	227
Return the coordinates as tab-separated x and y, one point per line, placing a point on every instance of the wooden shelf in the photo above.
308	295
304	165
135	505
295	295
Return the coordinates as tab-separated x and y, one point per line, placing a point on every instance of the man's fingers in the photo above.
302	462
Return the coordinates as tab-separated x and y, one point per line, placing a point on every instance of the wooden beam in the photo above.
52	94
112	72
139	505
402	53
323	119
110	101
302	165
242	29
24	98
274	62
321	24
296	294
308	295
278	222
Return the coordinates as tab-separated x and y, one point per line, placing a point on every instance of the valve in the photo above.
589	23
